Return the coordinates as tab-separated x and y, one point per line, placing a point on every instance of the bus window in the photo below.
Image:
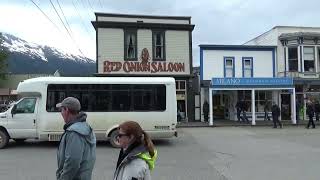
27	105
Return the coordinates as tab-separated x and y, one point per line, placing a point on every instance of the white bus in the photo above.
108	101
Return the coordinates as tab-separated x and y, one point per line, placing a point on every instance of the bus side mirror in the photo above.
13	110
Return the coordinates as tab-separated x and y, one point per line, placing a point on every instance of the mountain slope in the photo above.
31	58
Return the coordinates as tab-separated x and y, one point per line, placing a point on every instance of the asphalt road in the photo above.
224	153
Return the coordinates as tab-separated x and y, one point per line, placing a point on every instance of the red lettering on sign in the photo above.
153	67
126	67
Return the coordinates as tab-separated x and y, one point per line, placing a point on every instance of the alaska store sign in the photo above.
143	66
243	82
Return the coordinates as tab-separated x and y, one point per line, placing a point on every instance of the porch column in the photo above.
210	108
293	104
253	107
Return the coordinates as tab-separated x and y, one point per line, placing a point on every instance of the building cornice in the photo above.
141	25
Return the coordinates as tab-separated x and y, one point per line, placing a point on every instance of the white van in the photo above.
108	101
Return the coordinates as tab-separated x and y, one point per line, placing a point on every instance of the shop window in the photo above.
228	66
181	85
293	58
246	97
158	42
309	62
247	66
261	99
130	40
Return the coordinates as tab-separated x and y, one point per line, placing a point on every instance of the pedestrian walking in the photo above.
206	111
298	109
244	108
238	108
77	148
317	110
266	110
310	113
137	155
275	109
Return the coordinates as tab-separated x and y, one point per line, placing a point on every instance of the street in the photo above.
223	153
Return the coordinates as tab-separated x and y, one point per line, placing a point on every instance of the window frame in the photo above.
225	58
297	59
244	68
314	58
162	32
34	101
126	33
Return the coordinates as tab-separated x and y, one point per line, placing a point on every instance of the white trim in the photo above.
210	107
253	108
294	118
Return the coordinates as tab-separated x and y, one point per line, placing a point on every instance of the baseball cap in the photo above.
70	103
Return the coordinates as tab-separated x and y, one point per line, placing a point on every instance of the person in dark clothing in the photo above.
275	115
206	111
244	109
238	108
266	110
298	106
317	110
310	113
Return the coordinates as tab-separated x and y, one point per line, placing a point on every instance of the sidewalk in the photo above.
223	123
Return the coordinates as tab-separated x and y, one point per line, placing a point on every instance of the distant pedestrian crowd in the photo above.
312	111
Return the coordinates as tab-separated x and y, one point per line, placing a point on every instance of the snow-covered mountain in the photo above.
30	58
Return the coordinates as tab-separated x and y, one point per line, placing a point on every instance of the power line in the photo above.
64	16
82	21
101	5
90	5
46	16
66	28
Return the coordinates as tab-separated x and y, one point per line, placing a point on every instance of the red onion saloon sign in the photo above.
143	66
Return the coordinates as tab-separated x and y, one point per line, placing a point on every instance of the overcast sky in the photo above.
216	21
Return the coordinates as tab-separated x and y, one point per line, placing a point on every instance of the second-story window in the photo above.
130	40
247	67
308	56
158	42
293	58
229	67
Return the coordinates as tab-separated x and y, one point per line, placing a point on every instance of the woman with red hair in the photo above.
137	155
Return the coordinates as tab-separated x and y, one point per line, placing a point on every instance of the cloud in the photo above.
27	22
216	22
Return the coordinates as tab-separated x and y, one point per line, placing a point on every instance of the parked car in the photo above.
4	105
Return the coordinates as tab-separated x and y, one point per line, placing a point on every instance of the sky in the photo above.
226	22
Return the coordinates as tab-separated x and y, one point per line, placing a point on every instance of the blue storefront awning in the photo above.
283	82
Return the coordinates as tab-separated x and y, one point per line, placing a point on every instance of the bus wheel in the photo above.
19	140
4	139
113	139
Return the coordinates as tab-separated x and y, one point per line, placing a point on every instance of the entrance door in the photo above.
181	110
220	107
22	123
285	107
299	107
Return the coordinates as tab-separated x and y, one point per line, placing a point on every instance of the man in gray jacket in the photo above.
77	149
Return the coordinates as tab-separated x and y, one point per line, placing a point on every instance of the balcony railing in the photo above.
296	74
